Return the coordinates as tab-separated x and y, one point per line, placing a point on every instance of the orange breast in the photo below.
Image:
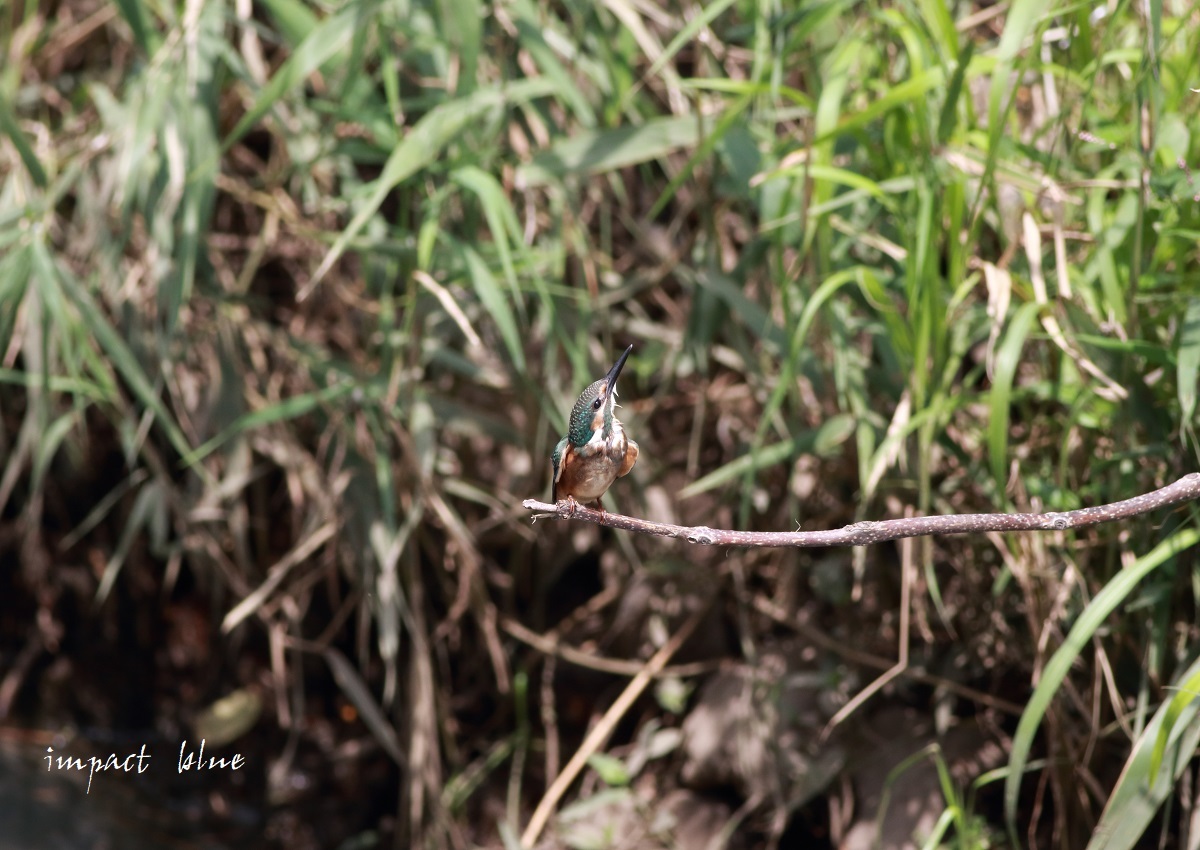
587	472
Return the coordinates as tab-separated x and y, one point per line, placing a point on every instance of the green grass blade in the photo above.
501	218
462	27
287	409
126	363
423	145
8	126
1187	368
1173	715
902	95
48	444
294	19
55	383
1018	26
832	433
747	464
588	153
495	304
707	15
811	308
1161	753
1092	617
149	501
729	119
326	40
533	40
1008	357
131	11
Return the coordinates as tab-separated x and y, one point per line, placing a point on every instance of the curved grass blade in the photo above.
461	25
833	174
69	384
589	153
1105	602
149	510
501	218
707	15
48	443
131	11
824	292
1160	755
294	19
494	302
289	408
8	126
1187	366
421	147
742	87
909	91
531	38
1174	715
832	433
708	141
325	41
1007	359
121	356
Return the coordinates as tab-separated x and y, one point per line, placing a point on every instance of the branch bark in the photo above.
1185	489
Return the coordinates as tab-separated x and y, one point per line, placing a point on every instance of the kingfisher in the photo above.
596	451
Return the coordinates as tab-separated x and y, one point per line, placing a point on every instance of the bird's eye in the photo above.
596	404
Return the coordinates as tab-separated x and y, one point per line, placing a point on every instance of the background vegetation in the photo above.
294	300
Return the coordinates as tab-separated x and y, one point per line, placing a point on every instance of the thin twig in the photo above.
854	656
909	570
552	646
600	732
1185	489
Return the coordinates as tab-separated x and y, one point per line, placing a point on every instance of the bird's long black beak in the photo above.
610	380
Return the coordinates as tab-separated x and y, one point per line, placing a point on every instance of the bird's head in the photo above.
594	409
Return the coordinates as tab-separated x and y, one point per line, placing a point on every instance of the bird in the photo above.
596	450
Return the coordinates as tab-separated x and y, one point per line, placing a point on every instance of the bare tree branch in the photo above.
1185	489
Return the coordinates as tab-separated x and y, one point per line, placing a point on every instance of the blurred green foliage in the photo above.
294	300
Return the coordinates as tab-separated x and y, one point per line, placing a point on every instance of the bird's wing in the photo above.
631	456
560	451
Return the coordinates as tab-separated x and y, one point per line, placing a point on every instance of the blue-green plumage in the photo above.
595	451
